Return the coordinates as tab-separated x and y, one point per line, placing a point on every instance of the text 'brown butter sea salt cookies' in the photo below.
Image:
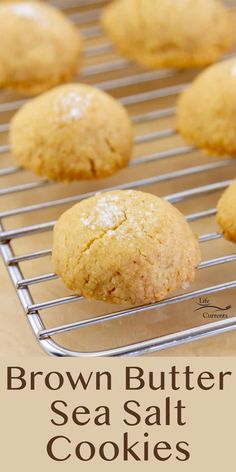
226	216
206	110
72	132
124	247
167	33
39	47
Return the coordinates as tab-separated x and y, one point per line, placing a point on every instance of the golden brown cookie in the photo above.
39	47
206	110
167	33
72	132
124	247
226	216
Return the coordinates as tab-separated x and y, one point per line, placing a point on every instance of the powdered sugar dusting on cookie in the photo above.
71	106
107	213
185	285
29	11
85	221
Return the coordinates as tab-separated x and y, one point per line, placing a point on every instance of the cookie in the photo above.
72	132
39	48
163	33
125	247
206	110
226	216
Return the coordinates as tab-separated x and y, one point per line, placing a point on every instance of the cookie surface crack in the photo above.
101	236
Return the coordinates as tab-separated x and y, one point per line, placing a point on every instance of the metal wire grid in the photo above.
22	285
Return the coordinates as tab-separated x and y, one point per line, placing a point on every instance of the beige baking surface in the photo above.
15	334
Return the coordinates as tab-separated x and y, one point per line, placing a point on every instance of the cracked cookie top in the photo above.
124	247
72	132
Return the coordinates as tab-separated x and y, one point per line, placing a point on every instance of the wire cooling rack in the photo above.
163	164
